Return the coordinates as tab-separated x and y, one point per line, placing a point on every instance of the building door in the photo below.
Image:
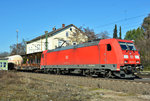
103	55
45	59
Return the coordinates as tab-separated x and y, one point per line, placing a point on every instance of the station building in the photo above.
55	39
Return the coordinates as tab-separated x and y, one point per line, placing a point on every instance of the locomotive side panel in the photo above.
106	53
76	56
63	57
88	55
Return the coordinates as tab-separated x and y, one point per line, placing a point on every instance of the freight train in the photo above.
105	57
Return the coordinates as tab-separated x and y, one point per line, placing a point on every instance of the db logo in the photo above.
66	57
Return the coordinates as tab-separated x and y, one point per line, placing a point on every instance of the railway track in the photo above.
144	80
139	86
139	80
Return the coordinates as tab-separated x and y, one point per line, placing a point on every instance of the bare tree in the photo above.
103	35
143	46
4	54
89	33
63	42
20	50
77	37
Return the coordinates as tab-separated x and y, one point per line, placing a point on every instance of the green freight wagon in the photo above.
3	64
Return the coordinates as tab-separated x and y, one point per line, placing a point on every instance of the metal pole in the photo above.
17	42
46	42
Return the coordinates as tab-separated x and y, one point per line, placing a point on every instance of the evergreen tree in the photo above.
115	32
120	33
141	37
135	34
146	27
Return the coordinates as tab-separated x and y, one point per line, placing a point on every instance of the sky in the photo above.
32	17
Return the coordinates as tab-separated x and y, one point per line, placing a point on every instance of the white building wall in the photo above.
39	45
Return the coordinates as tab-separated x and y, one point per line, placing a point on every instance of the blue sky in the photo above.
33	17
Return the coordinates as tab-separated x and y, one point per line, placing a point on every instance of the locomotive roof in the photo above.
124	40
92	43
75	46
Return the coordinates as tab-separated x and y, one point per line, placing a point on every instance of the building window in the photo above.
70	29
67	34
74	43
74	34
4	64
108	47
0	64
67	42
38	47
60	43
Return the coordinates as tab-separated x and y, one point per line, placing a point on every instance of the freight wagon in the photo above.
106	57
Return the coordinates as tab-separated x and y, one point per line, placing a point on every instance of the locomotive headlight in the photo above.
126	56
137	62
137	57
125	61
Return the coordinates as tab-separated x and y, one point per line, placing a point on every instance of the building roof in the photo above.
3	58
52	33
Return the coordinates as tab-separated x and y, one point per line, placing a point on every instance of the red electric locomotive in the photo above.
106	57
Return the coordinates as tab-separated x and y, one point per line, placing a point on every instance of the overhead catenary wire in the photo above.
121	20
123	28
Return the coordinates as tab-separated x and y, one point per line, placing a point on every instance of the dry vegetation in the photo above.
30	87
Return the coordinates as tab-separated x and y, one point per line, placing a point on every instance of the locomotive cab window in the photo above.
131	46
127	46
108	47
123	46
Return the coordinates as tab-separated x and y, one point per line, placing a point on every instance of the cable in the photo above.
123	27
130	18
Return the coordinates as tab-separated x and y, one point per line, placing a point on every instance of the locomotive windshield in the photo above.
127	46
123	46
131	46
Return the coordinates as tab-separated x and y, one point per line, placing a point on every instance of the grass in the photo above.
126	94
15	87
93	89
147	68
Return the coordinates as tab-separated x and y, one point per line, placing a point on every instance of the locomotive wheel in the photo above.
90	73
54	71
63	72
108	74
58	72
87	73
